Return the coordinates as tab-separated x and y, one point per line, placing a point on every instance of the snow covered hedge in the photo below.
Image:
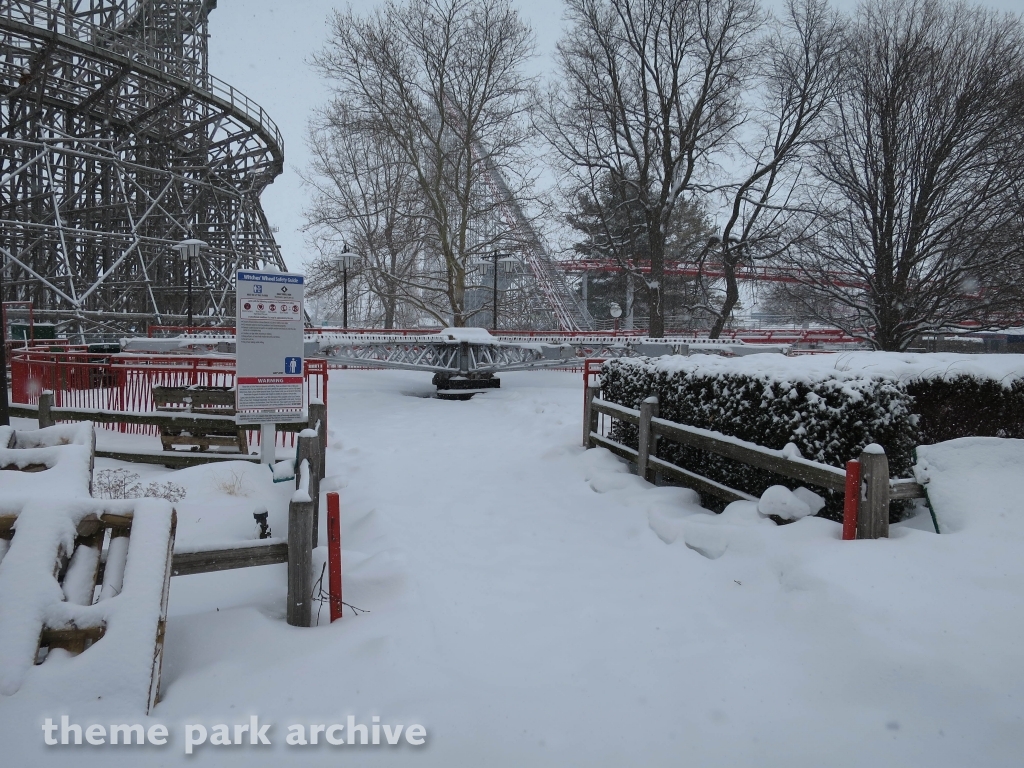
830	415
967	406
954	395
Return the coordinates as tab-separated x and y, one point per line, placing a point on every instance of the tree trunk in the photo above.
458	298
886	338
656	285
732	296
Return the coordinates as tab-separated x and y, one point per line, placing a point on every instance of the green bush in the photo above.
967	406
830	418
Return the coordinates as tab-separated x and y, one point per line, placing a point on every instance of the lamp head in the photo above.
510	262
190	247
346	258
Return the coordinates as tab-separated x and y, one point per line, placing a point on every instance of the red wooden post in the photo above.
334	553
587	373
586	386
852	500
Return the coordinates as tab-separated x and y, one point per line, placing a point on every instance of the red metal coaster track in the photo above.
758	272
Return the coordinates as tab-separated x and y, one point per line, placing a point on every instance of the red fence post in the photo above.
586	402
19	379
852	500
334	553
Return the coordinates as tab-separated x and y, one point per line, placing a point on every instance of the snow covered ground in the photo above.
532	604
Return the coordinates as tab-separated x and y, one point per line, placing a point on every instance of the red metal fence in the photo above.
124	382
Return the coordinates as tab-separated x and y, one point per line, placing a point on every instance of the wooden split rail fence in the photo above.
303	525
34	553
872	488
88	572
47	414
85	576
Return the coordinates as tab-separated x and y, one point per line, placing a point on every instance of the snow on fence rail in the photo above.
58	580
876	488
297	549
64	545
119	383
57	588
47	415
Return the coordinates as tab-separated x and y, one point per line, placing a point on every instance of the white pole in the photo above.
268	440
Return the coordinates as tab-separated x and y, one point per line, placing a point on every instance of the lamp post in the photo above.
345	258
616	312
510	263
190	249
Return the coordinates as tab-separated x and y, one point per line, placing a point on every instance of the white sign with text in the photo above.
269	379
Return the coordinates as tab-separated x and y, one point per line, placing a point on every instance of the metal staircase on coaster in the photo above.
567	310
117	143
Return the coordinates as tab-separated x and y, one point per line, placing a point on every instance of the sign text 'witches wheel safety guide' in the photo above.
269	347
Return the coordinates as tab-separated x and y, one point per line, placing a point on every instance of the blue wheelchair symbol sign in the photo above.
293	365
257	288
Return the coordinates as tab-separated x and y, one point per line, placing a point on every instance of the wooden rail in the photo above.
47	414
877	489
303	525
303	513
183	419
303	521
266	552
175	459
821	475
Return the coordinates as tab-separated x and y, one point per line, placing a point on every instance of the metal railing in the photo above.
87	381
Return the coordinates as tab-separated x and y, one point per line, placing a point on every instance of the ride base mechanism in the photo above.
463	387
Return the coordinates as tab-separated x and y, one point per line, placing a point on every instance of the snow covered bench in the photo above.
62	455
208	401
59	596
62	591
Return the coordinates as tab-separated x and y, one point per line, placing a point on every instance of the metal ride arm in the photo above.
441	355
438	353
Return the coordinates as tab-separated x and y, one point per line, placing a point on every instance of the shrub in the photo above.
122	484
829	415
954	395
967	406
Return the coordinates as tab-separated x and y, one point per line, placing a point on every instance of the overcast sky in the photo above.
263	47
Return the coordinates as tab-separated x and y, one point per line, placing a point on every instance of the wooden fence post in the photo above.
873	510
645	448
300	555
589	416
309	450
92	455
318	421
45	404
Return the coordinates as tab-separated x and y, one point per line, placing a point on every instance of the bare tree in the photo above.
365	197
798	79
440	82
648	91
922	173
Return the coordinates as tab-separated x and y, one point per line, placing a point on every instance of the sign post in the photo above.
269	380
